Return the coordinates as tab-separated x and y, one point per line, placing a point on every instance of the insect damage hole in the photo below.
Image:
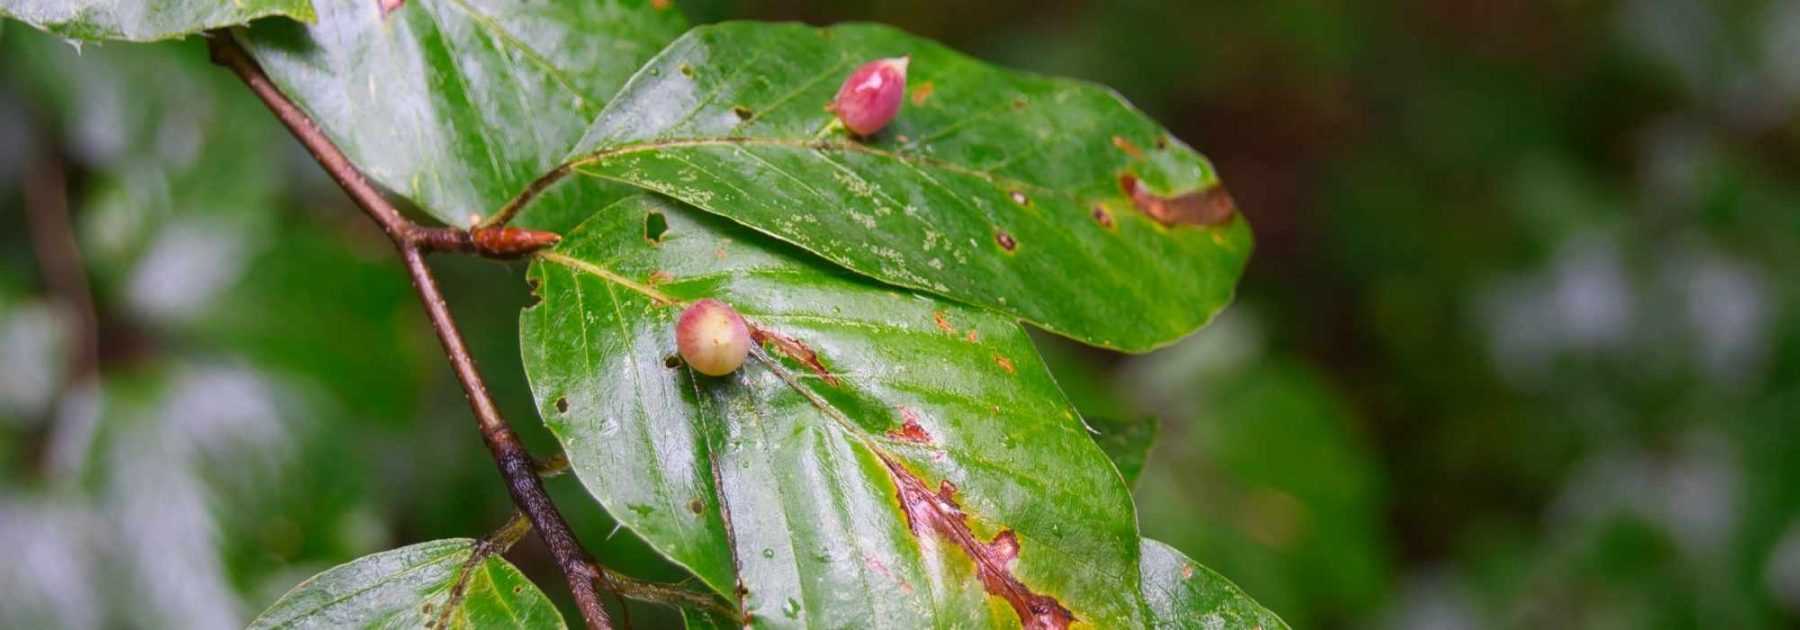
562	405
655	227
1006	241
672	361
743	113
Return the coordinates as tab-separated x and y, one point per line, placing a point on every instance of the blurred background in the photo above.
1519	345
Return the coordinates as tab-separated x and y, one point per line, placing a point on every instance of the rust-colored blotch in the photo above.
1211	206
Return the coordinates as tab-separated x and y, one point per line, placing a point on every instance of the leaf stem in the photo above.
515	464
525	197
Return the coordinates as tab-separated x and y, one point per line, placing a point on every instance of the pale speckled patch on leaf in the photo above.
798	477
999	189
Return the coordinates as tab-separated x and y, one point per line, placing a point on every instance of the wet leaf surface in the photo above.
1183	594
457	104
937	474
145	20
410	587
996	188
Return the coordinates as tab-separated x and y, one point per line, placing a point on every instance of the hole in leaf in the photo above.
687	71
743	113
655	226
562	405
1006	241
672	361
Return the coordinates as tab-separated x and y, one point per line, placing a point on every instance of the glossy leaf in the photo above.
457	104
145	20
885	458
409	588
996	188
1183	594
1127	442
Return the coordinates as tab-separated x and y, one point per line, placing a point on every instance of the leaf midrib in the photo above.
850	428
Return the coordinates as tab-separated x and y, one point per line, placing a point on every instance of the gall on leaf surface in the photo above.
865	466
991	187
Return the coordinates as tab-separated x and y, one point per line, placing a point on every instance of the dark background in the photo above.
1519	345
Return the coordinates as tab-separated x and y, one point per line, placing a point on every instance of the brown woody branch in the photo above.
412	240
59	260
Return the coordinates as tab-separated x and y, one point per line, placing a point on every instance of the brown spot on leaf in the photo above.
921	92
1005	240
1129	148
972	337
531	285
743	113
1004	547
1187	571
562	405
794	349
659	277
1102	217
910	430
1005	364
686	70
696	506
943	323
928	512
1162	142
1018	103
661	5
1211	206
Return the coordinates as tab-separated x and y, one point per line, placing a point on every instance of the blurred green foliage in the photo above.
1519	345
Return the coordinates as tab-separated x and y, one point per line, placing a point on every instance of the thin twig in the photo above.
654	592
59	259
532	190
516	465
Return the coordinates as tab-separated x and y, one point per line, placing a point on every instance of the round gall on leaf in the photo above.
871	95
712	338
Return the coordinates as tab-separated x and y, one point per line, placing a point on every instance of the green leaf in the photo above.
145	20
409	587
992	187
1183	594
458	104
857	489
1127	442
